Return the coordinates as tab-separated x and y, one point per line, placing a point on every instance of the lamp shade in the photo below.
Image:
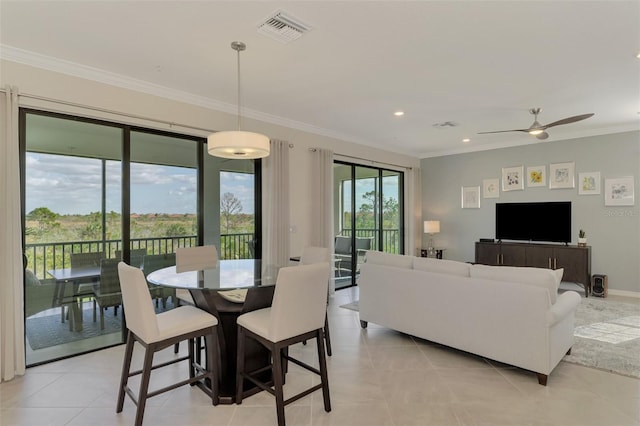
238	145
431	226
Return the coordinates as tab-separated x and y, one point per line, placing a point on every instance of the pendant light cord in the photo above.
239	93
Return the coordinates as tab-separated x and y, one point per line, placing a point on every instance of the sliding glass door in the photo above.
72	175
368	216
98	192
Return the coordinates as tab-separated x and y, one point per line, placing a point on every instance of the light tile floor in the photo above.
376	376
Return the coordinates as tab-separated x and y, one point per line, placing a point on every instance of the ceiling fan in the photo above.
538	130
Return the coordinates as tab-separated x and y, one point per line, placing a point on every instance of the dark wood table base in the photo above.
227	313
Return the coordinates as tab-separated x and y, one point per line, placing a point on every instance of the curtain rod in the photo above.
374	161
313	149
170	123
108	111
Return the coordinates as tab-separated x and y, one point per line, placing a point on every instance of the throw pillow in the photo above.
30	278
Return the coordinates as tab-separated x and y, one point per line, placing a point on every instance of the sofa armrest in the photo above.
566	304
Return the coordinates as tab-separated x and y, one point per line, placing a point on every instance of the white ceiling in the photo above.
479	64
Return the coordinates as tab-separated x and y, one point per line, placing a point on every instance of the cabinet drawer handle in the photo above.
549	263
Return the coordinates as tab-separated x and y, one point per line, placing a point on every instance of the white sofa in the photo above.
507	314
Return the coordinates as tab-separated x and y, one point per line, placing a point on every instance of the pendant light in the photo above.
238	144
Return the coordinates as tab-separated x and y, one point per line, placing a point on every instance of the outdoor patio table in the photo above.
71	276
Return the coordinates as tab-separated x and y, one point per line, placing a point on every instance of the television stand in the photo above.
575	260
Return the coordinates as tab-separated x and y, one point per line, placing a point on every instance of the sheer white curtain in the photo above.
12	356
275	207
322	232
413	213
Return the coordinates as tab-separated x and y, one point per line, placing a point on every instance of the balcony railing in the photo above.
390	238
45	256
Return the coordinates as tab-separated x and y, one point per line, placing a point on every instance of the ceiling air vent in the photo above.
445	124
283	27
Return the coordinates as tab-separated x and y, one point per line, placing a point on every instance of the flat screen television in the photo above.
542	221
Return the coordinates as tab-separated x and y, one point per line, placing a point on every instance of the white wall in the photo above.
63	87
612	232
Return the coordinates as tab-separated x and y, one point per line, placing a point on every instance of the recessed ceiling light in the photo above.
638	56
398	113
465	140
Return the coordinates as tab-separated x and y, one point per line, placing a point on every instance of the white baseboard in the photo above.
564	285
624	293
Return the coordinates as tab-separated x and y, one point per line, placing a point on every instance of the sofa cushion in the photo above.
558	273
388	259
441	266
30	278
540	277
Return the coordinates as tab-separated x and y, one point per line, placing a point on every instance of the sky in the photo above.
72	185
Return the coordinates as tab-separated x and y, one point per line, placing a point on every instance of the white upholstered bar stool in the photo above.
297	314
159	331
196	258
311	255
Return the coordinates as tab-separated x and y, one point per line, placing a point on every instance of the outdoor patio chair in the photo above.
135	256
84	288
107	292
153	262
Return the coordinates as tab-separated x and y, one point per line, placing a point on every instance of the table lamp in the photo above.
431	227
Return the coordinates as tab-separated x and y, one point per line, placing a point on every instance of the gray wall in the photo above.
612	232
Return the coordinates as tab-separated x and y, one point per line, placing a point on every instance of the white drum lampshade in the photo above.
431	226
238	144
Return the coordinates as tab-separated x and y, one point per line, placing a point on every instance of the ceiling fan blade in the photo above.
542	136
568	120
504	131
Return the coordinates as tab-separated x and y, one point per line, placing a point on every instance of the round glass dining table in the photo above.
205	288
230	274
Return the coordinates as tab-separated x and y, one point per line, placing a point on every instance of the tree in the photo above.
93	228
175	230
229	206
367	213
46	219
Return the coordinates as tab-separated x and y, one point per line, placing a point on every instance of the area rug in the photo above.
607	336
46	331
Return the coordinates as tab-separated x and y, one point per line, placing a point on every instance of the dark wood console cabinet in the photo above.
575	260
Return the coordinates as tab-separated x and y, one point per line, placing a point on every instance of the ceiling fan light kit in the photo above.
540	131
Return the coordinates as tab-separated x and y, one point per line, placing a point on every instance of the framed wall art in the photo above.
562	175
470	197
536	176
619	192
589	183
512	179
491	188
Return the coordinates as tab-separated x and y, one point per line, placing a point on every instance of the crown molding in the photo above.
532	141
49	63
